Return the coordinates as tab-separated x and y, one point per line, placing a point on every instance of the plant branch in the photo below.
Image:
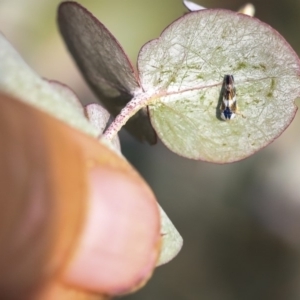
132	107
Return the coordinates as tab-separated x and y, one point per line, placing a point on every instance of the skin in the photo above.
73	213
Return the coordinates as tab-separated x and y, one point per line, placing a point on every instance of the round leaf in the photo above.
18	80
185	68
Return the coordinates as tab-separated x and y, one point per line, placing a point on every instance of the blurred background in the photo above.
240	222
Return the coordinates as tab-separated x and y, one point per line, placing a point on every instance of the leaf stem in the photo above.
132	107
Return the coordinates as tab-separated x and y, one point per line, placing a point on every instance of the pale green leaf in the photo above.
99	117
184	69
171	239
19	80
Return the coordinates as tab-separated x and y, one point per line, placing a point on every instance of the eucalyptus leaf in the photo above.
67	94
20	81
104	65
184	70
99	117
171	239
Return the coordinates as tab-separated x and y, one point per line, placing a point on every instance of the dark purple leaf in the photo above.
104	65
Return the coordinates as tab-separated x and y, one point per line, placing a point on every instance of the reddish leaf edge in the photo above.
130	65
204	11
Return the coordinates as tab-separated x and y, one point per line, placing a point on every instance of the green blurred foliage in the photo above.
240	222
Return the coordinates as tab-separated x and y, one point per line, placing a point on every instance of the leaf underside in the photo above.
185	68
103	64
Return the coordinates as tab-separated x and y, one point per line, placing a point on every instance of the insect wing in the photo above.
228	106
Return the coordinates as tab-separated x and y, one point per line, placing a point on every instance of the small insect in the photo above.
228	106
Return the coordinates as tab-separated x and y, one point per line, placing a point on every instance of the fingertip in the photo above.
120	238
